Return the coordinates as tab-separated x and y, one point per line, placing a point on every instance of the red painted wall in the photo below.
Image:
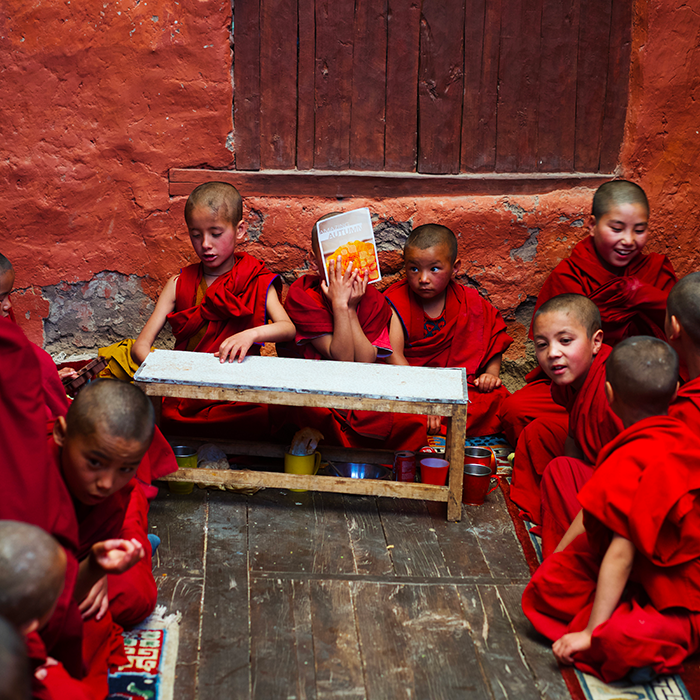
101	99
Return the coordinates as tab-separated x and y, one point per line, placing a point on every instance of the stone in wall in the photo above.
84	316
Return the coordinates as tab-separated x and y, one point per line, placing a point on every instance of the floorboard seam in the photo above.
204	589
392	580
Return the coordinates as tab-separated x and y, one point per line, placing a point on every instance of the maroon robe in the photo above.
234	302
473	334
644	489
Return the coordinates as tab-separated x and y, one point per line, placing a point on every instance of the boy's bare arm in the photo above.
575	529
612	579
398	340
164	306
363	349
280	329
489	379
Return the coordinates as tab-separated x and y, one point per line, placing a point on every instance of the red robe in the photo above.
631	302
312	314
39	495
686	407
473	334
592	424
234	302
644	489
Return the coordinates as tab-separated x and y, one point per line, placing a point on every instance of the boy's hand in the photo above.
486	383
43	670
68	372
117	556
565	647
96	602
236	346
339	287
359	287
434	424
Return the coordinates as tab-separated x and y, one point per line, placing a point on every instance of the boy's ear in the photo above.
609	392
597	341
241	230
675	393
59	431
591	224
456	265
676	328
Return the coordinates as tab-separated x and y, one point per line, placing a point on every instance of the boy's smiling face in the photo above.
214	239
96	465
7	281
429	270
620	234
563	348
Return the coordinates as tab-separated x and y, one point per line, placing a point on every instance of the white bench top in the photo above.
326	377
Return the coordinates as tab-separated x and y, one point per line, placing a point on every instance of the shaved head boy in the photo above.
7	281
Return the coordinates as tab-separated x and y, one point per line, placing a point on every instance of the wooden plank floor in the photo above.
309	596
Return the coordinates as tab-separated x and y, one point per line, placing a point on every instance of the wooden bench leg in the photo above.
454	454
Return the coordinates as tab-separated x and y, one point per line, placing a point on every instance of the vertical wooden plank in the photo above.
617	90
332	552
282	657
454	454
414	547
593	49
278	83
368	85
481	48
535	648
518	94
367	538
336	645
333	84
401	143
246	84
497	643
440	86
224	668
557	98
416	644
306	97
179	521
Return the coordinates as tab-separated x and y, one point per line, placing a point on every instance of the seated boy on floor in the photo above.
98	447
220	305
629	288
624	597
346	320
437	322
570	350
32	576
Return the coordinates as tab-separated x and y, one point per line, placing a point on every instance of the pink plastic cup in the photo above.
475	488
480	455
434	470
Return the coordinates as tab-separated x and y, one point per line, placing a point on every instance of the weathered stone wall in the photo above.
101	99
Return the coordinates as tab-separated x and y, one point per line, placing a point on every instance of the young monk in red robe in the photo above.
440	323
570	350
345	320
40	496
32	575
623	598
683	331
221	305
628	286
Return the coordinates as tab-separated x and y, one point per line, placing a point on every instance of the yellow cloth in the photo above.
194	340
120	364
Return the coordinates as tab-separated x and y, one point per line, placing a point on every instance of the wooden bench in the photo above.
341	385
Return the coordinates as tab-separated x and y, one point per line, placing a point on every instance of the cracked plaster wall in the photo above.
101	99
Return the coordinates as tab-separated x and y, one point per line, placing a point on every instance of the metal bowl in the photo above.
359	470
